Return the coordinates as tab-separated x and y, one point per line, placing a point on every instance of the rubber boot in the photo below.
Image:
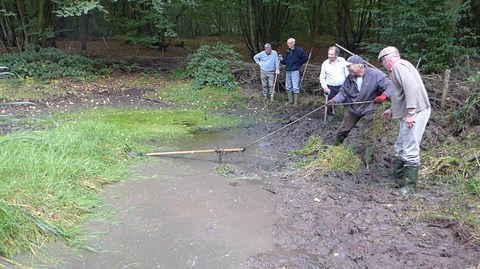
330	118
271	98
339	139
290	98
409	181
295	99
398	172
368	155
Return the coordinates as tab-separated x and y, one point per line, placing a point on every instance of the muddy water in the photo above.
177	213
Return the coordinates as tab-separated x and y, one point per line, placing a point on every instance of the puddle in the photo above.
177	213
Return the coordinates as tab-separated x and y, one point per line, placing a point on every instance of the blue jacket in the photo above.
374	84
294	59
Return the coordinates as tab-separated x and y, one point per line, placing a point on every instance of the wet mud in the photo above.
265	212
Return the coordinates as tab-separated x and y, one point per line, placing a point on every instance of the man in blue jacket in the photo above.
365	86
294	59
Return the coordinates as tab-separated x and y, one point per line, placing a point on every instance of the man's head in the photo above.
355	65
291	43
333	53
388	56
268	48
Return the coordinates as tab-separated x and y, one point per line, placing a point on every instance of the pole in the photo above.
306	66
326	108
351	53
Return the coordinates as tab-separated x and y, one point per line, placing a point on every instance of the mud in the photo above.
286	219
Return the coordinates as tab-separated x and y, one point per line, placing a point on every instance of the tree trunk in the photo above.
84	34
22	41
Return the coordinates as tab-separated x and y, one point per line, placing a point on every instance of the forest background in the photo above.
442	30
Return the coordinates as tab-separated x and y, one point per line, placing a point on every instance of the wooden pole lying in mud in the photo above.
219	151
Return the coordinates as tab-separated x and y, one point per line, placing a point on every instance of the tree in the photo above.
262	22
82	9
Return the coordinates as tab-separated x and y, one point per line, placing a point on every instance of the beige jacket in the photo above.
408	90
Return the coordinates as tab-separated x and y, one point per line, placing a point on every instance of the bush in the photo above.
49	63
212	66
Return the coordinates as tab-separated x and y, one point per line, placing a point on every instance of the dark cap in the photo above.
355	59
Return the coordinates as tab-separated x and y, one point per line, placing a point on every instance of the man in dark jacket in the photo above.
293	60
362	85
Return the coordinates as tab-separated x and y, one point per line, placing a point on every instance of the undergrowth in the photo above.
325	158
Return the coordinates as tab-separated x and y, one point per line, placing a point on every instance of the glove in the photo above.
380	98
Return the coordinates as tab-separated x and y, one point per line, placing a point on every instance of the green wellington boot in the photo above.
368	155
295	99
330	118
398	172
290	98
409	180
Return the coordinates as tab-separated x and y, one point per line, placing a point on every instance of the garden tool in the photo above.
326	108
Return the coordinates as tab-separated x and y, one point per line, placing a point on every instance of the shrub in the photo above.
212	66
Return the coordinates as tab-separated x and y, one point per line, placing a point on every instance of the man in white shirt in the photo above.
332	76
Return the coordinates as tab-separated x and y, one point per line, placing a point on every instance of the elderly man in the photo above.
332	76
410	105
365	86
293	60
268	62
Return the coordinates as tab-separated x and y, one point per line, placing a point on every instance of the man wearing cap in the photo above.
268	62
365	86
294	59
332	76
410	105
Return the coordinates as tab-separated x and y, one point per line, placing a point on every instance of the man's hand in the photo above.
331	102
387	114
326	91
410	121
380	98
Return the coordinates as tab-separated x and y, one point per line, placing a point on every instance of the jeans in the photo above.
293	78
407	146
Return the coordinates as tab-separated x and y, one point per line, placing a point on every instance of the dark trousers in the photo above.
333	91
349	121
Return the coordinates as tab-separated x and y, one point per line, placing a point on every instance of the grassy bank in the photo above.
50	179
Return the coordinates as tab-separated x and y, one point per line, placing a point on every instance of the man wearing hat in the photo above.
365	86
410	105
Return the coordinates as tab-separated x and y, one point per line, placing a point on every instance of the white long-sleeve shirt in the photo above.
333	75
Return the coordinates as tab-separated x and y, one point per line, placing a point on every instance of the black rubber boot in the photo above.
398	172
409	181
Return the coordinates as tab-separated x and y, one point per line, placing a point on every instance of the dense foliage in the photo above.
442	28
210	65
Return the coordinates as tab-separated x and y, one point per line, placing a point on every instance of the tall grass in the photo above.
327	158
49	180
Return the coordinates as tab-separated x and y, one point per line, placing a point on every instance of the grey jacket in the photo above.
408	89
374	84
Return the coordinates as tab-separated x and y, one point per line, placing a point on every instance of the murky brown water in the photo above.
177	213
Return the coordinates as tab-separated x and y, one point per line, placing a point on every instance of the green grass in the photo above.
326	158
162	124
208	98
49	180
